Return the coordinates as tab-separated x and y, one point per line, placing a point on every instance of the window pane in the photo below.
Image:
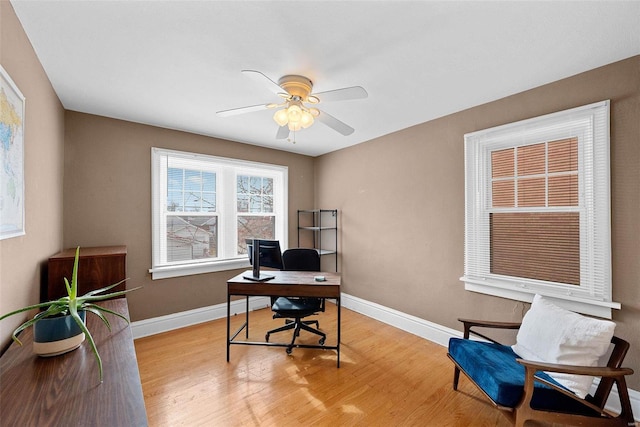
191	202
563	155
208	202
267	204
531	192
531	160
542	246
267	186
174	201
255	204
255	185
208	181
563	190
191	237
503	194
502	165
254	227
243	204
174	179
192	180
243	184
191	190
254	194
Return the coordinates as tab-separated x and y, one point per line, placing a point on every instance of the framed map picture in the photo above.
11	158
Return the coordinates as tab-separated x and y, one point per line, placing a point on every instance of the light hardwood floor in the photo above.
387	377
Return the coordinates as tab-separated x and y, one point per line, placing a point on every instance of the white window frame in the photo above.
226	170
590	124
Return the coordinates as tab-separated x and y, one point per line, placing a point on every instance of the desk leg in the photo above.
338	344
228	324
247	319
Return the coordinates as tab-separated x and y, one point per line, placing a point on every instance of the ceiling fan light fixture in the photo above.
306	119
281	117
294	112
294	116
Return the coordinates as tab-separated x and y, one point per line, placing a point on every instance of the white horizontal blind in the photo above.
539	197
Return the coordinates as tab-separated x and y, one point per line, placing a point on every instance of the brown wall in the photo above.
402	216
107	201
22	258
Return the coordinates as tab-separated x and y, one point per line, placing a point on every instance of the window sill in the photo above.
569	302
166	272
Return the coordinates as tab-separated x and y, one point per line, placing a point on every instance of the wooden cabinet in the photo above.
97	267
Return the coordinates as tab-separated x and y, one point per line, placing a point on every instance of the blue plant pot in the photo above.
53	336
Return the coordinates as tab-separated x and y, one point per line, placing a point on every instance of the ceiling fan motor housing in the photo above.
299	86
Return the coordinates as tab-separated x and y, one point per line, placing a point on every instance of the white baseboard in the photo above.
423	328
156	325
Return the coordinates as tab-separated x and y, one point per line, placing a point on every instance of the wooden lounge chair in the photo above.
522	389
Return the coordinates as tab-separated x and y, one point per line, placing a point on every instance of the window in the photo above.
204	208
537	210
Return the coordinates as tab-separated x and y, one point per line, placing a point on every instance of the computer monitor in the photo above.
263	253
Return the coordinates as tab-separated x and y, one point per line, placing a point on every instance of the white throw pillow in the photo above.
554	335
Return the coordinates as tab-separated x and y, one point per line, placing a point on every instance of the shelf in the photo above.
320	231
317	210
318	228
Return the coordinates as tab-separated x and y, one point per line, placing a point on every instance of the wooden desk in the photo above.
65	390
284	284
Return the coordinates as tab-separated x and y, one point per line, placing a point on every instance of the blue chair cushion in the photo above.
493	367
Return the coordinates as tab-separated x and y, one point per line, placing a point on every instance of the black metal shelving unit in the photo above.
322	224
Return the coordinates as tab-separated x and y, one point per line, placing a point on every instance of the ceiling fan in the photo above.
297	110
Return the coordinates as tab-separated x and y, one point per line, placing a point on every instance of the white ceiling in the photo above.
175	63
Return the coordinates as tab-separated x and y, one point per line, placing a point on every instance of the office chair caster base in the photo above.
321	342
289	350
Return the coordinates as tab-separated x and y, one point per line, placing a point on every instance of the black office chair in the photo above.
298	259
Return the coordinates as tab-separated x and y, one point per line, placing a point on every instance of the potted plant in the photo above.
74	308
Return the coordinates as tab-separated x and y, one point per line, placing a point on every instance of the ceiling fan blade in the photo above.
242	110
263	80
283	132
335	124
344	94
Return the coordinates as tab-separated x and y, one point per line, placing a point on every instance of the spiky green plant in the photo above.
70	305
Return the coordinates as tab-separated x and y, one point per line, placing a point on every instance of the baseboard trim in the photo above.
157	325
423	328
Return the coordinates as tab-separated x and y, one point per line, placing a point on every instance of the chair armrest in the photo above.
470	323
595	371
616	374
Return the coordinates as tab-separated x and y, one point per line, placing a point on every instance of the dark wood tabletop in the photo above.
287	283
65	390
